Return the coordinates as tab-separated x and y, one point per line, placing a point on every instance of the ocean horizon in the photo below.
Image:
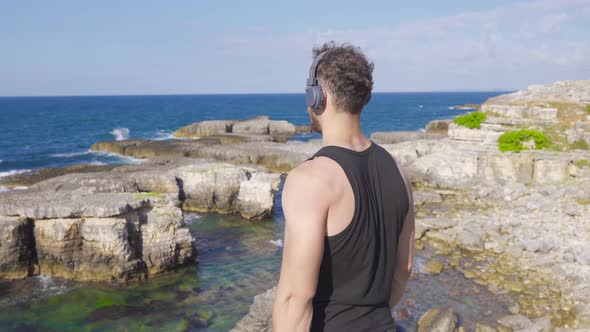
54	131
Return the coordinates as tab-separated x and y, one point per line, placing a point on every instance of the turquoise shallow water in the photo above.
236	260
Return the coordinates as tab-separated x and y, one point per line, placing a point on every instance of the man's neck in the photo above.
344	130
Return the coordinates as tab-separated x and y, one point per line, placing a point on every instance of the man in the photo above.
349	220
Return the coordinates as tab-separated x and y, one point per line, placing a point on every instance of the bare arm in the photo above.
306	210
405	249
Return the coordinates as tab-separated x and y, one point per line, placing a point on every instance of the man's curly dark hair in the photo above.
347	74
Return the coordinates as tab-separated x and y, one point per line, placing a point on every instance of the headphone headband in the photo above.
312	79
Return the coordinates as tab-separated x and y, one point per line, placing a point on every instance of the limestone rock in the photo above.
392	137
281	128
146	241
166	241
515	322
36	204
433	266
480	327
438	320
234	131
564	91
17	252
205	128
256	196
438	126
487	135
86	249
551	170
226	188
450	169
259	318
426	197
471	239
210	187
26	179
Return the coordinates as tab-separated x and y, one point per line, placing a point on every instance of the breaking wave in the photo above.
120	133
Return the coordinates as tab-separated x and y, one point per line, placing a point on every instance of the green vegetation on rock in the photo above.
580	145
519	140
582	163
471	120
588	109
148	194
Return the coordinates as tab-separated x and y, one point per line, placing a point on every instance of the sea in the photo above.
236	259
37	132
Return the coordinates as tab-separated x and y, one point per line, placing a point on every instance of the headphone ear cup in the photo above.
317	97
320	98
310	96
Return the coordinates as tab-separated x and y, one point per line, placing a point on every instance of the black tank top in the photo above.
356	271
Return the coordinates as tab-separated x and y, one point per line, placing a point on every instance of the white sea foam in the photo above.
422	130
163	135
13	171
97	163
4	189
120	133
71	154
127	159
278	243
1	161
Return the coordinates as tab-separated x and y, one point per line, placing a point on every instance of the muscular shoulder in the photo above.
314	179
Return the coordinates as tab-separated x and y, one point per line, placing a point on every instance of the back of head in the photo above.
346	74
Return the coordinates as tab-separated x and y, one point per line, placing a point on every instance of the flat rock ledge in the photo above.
261	128
126	223
115	236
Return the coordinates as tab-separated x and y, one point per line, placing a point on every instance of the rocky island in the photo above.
516	221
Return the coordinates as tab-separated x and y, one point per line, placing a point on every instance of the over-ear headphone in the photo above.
314	95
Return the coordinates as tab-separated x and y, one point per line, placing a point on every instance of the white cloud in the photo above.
507	47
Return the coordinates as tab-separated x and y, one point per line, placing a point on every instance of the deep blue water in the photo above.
40	132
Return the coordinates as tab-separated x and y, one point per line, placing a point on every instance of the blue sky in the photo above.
167	47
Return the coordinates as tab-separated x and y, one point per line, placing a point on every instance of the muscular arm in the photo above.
405	249
306	209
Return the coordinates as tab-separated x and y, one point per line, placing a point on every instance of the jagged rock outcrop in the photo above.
17	256
226	188
259	318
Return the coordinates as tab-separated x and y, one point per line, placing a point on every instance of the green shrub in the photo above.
471	120
582	163
588	109
514	140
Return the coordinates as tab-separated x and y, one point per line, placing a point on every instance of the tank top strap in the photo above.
342	157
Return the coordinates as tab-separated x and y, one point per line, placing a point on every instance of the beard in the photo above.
314	123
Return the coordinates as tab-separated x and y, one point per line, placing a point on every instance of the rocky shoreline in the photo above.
518	223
